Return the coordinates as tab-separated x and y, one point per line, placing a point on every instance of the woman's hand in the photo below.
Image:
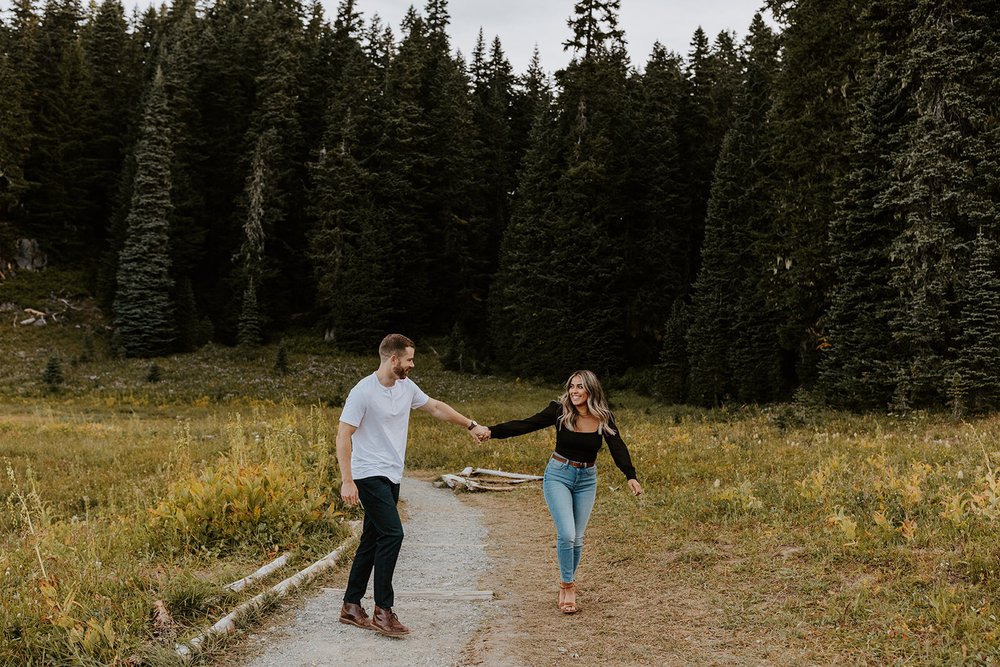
635	487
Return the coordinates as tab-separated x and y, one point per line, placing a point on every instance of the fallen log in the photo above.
275	564
227	624
473	479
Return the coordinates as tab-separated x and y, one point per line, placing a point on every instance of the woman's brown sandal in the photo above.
566	606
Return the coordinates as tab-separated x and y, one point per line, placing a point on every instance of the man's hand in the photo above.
480	433
349	492
635	487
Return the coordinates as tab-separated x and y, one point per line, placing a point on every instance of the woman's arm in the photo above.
619	451
515	427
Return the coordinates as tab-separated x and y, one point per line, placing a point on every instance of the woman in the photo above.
582	420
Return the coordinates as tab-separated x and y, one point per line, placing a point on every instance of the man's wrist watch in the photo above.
472	425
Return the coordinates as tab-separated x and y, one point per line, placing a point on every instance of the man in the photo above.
371	447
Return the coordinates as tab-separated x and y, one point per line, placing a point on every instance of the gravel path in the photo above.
443	551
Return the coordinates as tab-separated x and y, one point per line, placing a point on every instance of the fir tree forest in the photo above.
813	208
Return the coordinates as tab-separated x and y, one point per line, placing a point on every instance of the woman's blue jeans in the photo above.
569	493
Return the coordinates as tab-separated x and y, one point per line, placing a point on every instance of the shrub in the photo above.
154	374
52	376
232	507
281	360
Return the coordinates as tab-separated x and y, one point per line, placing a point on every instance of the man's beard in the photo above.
400	372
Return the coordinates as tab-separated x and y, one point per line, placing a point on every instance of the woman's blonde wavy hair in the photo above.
596	403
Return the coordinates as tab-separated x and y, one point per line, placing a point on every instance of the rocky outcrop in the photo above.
28	255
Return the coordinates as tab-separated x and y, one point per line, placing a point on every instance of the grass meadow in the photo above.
865	539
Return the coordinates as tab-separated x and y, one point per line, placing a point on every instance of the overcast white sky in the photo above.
523	23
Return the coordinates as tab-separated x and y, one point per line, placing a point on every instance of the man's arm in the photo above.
348	490
445	412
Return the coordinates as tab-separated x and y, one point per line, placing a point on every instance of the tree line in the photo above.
813	207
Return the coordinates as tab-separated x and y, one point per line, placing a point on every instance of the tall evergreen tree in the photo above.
250	259
143	312
822	42
230	58
757	358
352	234
524	300
941	191
978	356
114	74
532	95
14	133
565	234
427	170
732	339
496	164
595	28
56	208
857	368
657	243
699	141
275	118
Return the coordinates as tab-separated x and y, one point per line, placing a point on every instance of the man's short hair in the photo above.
394	344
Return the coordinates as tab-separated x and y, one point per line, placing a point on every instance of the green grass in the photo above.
859	539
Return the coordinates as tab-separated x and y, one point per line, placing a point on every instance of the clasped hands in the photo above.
480	433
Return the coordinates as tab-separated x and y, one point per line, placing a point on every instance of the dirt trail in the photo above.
637	614
444	550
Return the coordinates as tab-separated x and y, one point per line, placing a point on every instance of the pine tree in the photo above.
698	144
571	188
251	256
713	321
321	64
230	56
189	224
756	358
14	135
116	89
732	339
524	296
352	235
657	243
532	94
495	178
857	368
281	360
285	285
52	376
978	354
143	312
595	28
674	354
57	208
426	172
815	91
941	192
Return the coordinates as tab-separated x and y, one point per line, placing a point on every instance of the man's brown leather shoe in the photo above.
354	614
386	622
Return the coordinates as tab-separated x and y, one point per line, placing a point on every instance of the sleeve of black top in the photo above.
543	419
619	452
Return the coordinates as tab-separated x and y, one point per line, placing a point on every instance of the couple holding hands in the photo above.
371	446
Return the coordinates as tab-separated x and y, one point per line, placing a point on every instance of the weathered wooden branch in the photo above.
508	480
275	564
227	623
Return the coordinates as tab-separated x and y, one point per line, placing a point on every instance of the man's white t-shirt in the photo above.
382	416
